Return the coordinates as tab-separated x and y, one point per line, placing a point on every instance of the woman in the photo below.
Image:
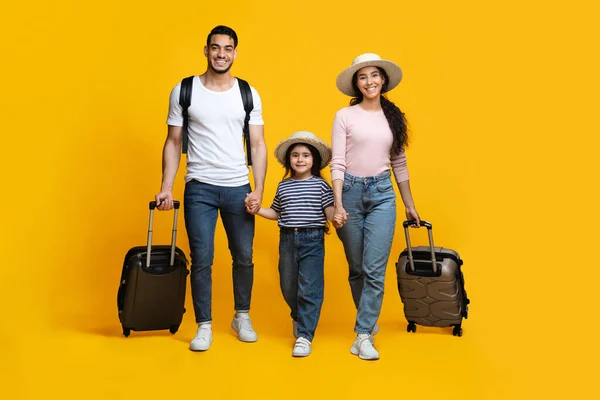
367	137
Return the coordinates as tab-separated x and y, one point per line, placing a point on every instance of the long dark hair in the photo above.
315	169
392	113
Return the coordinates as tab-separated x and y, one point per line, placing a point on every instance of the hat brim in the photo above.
344	79
322	147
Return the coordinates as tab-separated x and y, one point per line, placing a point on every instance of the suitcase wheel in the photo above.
411	327
173	329
126	332
457	331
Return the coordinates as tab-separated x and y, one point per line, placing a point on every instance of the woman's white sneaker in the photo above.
373	333
302	348
363	348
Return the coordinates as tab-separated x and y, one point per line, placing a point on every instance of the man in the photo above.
217	180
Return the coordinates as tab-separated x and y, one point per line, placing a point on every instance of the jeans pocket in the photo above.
346	186
315	235
384	186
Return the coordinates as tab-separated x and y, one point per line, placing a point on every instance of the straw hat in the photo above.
344	79
306	138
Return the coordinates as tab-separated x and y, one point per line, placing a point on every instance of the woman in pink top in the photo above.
368	137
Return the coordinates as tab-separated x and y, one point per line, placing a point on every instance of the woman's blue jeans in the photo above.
367	238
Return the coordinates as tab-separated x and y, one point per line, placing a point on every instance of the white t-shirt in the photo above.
216	121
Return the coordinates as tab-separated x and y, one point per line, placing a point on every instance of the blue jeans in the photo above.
301	276
367	238
201	204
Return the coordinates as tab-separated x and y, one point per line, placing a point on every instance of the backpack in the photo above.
185	99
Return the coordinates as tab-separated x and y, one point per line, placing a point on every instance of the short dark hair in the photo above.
223	30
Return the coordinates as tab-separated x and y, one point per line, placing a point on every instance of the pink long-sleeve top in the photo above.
361	142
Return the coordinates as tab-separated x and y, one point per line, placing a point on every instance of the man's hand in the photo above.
164	200
253	202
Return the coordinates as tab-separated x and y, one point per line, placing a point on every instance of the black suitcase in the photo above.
431	285
151	293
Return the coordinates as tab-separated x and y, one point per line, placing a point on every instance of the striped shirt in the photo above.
301	203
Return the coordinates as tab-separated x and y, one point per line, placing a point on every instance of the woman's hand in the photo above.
411	213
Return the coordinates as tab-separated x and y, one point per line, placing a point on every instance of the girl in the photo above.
303	203
367	136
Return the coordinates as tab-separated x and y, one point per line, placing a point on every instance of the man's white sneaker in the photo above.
242	324
295	328
302	348
363	348
203	338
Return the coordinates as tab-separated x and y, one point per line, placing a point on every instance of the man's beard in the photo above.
220	71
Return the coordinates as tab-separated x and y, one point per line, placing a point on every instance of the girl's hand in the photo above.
338	222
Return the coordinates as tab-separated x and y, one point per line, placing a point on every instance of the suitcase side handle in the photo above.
429	227
152	206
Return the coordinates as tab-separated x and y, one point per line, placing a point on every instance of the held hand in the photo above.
164	200
253	202
411	213
251	206
338	221
340	216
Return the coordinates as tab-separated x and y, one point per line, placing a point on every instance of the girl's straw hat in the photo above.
307	138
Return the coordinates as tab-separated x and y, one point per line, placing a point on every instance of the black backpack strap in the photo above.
248	106
185	99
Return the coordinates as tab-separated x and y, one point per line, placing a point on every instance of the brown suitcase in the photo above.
431	285
151	293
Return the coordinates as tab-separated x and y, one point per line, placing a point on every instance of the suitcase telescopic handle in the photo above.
429	227
411	222
152	206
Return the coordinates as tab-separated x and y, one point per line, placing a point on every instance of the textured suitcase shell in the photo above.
431	300
432	289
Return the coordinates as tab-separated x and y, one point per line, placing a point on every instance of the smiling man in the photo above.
217	180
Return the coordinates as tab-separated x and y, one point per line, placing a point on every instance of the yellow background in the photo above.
501	99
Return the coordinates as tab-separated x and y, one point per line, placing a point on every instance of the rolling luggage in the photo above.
151	293
431	285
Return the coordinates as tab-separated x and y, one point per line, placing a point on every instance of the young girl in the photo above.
367	137
303	203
